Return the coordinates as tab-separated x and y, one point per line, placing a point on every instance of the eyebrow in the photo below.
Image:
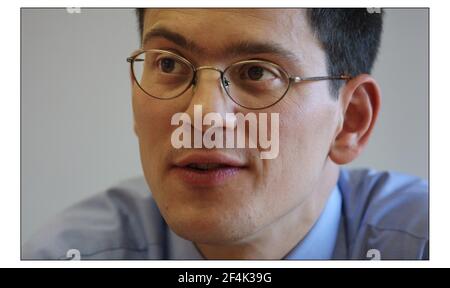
174	37
247	47
233	49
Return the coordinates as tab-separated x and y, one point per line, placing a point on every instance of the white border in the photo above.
10	144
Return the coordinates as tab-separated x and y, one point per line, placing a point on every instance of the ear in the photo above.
360	101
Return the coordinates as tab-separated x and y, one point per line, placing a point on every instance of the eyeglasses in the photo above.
252	84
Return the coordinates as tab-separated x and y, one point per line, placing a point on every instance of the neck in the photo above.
277	239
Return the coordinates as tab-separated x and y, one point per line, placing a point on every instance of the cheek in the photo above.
306	132
152	127
309	118
309	133
150	118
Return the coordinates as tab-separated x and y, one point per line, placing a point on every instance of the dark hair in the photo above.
140	13
350	38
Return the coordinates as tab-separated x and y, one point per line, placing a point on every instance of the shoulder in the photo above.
386	211
122	222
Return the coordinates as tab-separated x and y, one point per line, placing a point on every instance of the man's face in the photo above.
256	195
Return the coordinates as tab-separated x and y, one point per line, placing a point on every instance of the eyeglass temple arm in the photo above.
341	77
131	59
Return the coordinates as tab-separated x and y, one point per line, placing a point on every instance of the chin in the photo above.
210	229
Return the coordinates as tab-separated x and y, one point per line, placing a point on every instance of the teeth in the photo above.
204	166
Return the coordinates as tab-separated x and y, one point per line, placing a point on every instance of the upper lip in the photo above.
209	158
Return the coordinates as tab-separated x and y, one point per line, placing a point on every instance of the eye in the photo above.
170	65
167	65
255	73
258	72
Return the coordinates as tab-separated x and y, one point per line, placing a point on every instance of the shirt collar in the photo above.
182	249
317	244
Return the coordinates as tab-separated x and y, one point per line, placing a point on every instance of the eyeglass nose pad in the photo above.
226	83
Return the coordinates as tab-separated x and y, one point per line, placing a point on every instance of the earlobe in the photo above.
360	102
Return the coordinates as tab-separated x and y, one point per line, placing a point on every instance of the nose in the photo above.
209	92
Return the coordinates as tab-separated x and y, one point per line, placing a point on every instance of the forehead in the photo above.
213	28
226	16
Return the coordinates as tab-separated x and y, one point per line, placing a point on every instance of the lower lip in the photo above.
208	178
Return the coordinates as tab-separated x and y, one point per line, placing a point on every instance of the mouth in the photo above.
203	167
208	169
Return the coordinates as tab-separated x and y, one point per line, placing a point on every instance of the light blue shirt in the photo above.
319	243
369	214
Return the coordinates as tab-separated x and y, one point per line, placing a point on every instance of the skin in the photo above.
266	210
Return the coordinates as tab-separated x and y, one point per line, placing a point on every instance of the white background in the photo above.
10	117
